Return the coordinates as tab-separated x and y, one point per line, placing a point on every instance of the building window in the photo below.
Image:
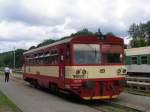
144	60
134	60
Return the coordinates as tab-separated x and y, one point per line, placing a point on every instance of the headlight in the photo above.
83	71
119	71
77	71
124	71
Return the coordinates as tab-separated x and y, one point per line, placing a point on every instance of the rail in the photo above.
139	83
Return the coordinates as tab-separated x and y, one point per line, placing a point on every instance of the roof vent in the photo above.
99	35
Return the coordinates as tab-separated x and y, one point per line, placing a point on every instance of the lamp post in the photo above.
14	59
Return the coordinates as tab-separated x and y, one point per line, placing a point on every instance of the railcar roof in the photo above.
112	39
137	51
49	45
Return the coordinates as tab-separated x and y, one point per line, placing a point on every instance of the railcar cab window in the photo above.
112	54
86	53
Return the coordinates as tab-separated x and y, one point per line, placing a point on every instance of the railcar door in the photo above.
62	67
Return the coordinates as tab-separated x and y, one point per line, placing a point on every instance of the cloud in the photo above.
20	35
16	31
27	22
32	12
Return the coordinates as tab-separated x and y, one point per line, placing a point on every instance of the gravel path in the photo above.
135	101
30	99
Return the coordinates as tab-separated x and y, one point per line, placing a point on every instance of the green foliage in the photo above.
140	34
19	57
82	32
7	105
46	42
138	42
32	47
110	34
7	58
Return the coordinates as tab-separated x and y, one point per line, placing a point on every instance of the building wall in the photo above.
128	60
138	67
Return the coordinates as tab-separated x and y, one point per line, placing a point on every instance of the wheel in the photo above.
35	84
54	88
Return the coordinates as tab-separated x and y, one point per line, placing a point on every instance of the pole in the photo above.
14	59
14	62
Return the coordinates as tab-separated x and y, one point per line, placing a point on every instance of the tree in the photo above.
137	42
84	31
19	57
32	47
147	32
140	34
7	58
110	34
46	42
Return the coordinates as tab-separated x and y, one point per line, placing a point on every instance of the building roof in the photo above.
137	51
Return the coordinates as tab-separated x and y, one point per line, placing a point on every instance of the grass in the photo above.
6	105
1	72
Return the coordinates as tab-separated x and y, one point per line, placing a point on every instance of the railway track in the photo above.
139	83
110	106
102	105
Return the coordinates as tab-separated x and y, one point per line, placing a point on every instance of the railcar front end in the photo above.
98	71
96	82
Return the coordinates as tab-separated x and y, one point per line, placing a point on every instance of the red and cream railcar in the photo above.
89	67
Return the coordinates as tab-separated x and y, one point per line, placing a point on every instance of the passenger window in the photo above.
53	56
61	56
134	60
48	57
68	52
144	60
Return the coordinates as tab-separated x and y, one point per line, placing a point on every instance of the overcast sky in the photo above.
24	23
